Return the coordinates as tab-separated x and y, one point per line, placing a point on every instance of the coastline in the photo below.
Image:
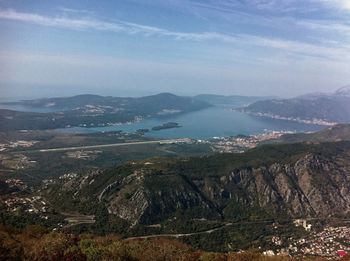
319	122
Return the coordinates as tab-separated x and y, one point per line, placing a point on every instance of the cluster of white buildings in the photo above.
16	183
83	154
313	121
35	204
239	144
18	143
302	223
331	242
68	176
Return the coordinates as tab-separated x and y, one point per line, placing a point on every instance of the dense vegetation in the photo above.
195	195
188	195
36	243
168	125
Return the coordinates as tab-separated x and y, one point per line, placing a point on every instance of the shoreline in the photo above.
318	122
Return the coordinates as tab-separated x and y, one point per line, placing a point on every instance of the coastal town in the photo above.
313	121
241	143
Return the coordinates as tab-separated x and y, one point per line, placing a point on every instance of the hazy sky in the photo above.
130	47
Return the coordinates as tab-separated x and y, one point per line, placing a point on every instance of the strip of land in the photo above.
109	145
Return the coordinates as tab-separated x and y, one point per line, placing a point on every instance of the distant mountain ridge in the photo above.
316	108
67	103
233	100
72	102
344	91
94	110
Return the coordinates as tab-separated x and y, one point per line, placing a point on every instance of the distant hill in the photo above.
94	110
233	100
153	102
316	108
66	103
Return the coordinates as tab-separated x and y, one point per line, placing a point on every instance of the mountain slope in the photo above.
232	100
316	108
339	132
151	103
276	181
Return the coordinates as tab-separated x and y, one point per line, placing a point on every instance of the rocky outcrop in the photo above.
310	184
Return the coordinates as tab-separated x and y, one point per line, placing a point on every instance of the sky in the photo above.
140	47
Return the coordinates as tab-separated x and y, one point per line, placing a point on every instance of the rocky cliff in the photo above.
295	180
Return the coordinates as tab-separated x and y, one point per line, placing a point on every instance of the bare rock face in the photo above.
307	184
324	183
312	186
131	209
141	198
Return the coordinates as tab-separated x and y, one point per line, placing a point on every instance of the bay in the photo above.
216	121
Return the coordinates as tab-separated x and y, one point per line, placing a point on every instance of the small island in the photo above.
168	125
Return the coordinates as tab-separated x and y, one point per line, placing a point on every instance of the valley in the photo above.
175	130
216	202
221	193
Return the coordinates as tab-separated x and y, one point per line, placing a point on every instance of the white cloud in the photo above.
335	51
326	25
338	4
75	11
297	5
63	22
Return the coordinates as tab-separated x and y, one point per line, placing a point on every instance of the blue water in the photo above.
216	121
208	123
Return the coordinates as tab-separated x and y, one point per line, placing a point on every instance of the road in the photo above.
181	235
107	145
209	231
